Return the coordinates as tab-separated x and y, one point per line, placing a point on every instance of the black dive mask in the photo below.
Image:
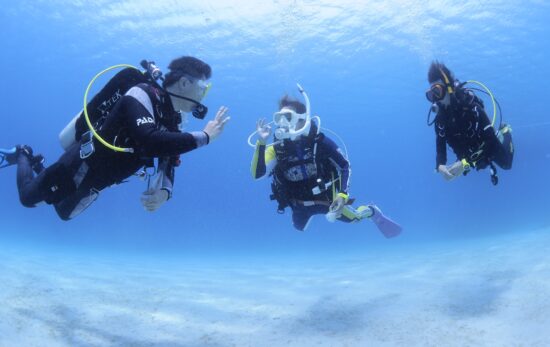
199	110
435	93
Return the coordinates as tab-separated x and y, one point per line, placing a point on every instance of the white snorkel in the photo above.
286	128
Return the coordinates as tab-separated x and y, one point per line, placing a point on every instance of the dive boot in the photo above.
9	157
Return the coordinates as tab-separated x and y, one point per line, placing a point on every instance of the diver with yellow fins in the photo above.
126	126
310	172
462	123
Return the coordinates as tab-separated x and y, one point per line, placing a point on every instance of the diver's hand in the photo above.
444	171
214	128
264	130
337	206
456	169
152	199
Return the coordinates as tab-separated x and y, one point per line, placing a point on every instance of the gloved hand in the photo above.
152	199
446	172
264	130
338	204
215	127
457	168
453	171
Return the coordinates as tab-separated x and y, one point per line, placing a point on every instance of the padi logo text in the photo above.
145	120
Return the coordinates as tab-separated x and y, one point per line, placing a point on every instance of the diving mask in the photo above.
204	87
199	110
201	84
290	124
436	92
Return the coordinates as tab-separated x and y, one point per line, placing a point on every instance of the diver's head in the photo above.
441	84
187	85
291	120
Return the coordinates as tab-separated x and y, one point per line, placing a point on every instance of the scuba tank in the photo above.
103	102
67	136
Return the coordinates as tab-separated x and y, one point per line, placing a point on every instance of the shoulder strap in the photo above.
142	95
162	103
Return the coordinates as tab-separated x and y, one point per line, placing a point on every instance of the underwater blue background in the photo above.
364	66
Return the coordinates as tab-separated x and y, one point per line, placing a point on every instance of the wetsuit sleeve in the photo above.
153	141
441	150
263	161
338	160
167	172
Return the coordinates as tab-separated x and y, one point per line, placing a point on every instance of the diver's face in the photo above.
446	101
287	120
192	88
438	94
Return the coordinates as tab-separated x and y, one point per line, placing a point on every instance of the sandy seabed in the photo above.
480	292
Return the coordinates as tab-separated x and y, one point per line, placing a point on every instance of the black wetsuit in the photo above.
465	127
143	120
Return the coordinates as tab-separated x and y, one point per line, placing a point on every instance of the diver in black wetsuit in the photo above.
146	119
461	123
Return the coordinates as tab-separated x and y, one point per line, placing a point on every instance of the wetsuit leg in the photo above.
66	208
350	214
505	152
300	219
53	185
29	186
301	215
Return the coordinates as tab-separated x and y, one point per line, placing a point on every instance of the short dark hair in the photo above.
186	66
434	73
297	106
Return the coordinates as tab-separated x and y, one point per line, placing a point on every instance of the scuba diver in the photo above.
132	111
462	123
310	173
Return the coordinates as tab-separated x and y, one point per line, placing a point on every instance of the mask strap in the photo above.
447	82
200	109
184	98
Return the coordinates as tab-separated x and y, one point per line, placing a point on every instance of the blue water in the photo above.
364	66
